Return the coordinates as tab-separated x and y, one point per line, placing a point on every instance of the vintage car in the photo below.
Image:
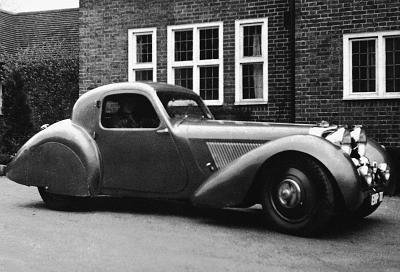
159	141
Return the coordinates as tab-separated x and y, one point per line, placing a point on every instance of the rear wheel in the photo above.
58	202
298	196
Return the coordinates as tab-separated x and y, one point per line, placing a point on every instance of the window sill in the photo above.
213	102
371	97
251	102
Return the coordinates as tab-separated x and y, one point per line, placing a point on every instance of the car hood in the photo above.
238	130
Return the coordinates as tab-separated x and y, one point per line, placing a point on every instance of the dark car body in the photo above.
209	162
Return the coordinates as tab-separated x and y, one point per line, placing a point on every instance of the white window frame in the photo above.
133	65
240	60
196	63
380	66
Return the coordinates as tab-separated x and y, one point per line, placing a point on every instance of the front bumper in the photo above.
373	178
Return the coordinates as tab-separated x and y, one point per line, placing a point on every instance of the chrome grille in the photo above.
225	152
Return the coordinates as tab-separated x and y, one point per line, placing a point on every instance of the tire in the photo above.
298	197
58	202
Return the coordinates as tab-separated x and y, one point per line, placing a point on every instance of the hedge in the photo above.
41	85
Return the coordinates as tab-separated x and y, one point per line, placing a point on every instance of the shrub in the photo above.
41	86
16	113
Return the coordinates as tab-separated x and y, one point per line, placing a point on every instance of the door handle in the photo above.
162	131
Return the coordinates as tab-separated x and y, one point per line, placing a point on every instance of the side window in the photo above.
128	111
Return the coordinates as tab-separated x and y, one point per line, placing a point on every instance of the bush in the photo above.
16	113
41	86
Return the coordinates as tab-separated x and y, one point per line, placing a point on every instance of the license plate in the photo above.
376	198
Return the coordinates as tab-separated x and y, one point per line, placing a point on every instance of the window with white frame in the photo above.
371	65
142	51
195	59
251	61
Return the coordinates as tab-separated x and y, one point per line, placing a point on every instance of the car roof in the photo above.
83	110
146	86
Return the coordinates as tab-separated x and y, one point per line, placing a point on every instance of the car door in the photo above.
137	152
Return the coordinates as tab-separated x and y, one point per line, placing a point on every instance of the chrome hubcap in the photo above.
289	193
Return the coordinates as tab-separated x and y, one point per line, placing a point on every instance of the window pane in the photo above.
209	43
356	73
363	66
252	80
183	45
393	64
144	75
183	104
184	77
252	41
144	48
128	111
209	82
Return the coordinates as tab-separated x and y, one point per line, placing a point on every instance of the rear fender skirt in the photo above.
228	186
63	157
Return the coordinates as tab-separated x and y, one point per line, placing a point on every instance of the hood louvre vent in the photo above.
224	153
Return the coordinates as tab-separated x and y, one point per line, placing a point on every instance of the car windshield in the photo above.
184	105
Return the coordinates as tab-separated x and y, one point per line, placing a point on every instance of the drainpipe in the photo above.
292	50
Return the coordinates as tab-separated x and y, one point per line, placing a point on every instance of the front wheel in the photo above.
298	196
58	202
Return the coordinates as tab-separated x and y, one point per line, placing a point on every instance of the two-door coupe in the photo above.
153	140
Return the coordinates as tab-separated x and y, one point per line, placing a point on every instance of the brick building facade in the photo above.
104	49
325	31
345	70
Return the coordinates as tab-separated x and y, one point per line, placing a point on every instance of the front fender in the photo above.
228	187
62	157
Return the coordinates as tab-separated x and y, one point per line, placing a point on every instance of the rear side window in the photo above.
128	111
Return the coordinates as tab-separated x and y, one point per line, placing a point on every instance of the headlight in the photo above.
364	161
363	170
387	175
362	142
346	142
356	162
382	167
361	149
374	167
368	179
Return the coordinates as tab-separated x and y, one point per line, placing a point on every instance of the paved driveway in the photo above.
115	235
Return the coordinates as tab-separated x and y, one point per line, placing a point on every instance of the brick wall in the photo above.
104	26
320	26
